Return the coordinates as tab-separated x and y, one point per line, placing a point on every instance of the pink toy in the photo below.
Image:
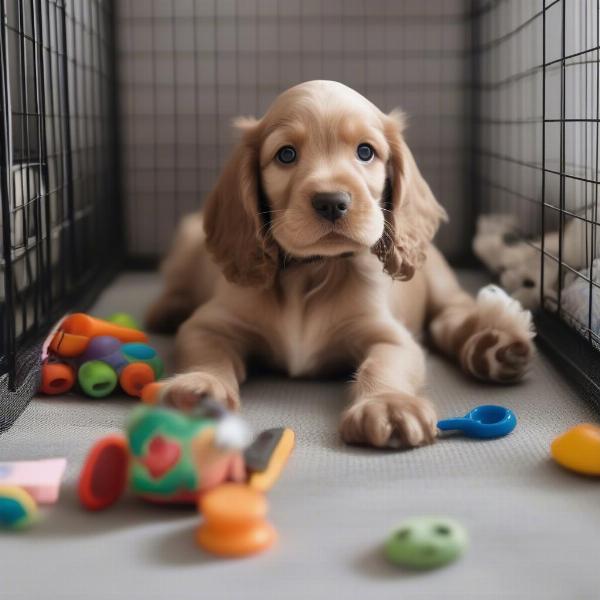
40	478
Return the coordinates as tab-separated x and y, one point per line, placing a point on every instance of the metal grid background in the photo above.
59	203
538	134
188	66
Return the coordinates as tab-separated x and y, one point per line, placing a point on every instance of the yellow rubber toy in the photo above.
578	449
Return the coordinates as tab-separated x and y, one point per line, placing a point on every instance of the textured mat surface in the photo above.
534	528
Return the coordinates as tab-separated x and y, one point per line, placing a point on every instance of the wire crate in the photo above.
115	123
538	76
60	211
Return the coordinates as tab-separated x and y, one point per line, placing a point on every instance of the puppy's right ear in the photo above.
235	234
415	213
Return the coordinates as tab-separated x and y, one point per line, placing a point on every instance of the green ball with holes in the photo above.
96	378
426	542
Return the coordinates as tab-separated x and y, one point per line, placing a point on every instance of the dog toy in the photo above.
18	510
106	361
516	258
39	478
24	484
578	449
495	235
98	355
267	456
151	392
124	320
234	521
484	422
168	457
426	542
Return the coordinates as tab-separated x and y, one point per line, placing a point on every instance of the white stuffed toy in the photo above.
575	299
517	260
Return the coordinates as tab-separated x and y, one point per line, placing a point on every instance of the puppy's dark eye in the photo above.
365	152
286	155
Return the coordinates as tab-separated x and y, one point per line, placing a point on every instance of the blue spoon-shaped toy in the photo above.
487	421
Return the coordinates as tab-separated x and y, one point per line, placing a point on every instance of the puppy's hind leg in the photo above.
189	277
491	338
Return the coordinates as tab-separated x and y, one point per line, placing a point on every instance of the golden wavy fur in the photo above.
261	274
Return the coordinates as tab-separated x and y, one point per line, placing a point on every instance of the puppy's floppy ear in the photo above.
413	215
235	234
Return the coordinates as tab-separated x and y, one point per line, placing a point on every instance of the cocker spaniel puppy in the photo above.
313	254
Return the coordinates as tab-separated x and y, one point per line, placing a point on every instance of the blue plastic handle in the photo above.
487	421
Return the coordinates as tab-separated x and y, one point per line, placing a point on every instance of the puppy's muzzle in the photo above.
332	205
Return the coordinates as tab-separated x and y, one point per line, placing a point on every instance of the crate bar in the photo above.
8	314
595	210
67	154
561	226
543	206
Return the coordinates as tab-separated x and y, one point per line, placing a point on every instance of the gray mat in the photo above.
534	528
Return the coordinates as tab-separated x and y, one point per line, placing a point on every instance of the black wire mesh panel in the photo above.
538	74
60	216
187	67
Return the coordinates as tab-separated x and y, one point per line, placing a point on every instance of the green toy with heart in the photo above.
167	456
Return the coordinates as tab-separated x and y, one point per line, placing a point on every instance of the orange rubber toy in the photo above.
234	523
135	377
57	378
150	392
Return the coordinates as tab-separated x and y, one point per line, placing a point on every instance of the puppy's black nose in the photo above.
332	205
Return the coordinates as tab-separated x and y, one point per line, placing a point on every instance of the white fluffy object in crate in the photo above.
25	190
27	195
575	299
517	261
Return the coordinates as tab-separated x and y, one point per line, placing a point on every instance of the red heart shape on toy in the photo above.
161	456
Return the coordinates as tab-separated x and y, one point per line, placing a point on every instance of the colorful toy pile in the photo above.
167	456
99	355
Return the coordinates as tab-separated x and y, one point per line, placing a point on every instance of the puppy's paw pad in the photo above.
391	420
188	390
495	355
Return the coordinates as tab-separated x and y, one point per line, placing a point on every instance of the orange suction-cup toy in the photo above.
104	474
82	324
135	376
57	378
234	523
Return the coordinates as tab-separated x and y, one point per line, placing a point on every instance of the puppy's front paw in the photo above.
187	390
395	420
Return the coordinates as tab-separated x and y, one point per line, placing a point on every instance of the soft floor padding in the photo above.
533	527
